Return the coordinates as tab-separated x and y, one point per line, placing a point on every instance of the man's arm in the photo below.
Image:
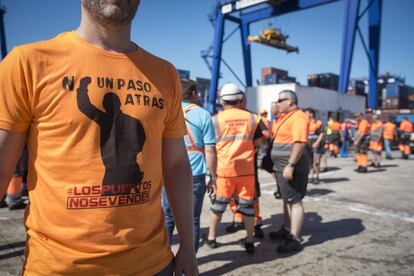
11	146
179	187
318	141
84	103
211	160
297	151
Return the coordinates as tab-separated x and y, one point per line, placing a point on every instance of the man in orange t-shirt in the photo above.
390	133
375	143
361	144
406	129
104	127
291	164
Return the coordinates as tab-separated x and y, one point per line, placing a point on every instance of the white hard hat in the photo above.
230	92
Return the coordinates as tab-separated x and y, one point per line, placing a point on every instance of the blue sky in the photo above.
177	30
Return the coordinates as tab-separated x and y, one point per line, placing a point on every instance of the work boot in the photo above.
3	203
234	227
258	232
281	234
15	203
210	243
363	170
290	245
248	246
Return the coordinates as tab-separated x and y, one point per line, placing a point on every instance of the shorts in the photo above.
241	188
292	191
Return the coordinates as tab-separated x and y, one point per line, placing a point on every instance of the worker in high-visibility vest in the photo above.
406	129
200	143
236	130
291	163
361	144
315	144
237	223
390	133
334	136
328	135
375	143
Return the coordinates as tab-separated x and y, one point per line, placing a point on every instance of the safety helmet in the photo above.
230	92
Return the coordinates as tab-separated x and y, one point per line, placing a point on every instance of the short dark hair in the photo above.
187	88
292	95
310	110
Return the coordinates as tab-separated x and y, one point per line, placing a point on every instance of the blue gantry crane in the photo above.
245	12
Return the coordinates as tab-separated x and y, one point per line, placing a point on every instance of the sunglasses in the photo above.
282	100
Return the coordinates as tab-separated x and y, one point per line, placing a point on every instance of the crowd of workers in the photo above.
110	176
232	145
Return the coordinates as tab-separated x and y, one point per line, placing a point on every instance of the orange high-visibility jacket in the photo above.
389	131
235	130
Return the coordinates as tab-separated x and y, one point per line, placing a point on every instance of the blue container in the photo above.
393	90
271	79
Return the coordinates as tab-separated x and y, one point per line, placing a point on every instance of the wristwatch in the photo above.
291	165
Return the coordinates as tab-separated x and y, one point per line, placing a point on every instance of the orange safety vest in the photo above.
235	130
389	131
192	147
376	131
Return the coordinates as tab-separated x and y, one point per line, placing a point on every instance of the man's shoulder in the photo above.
41	46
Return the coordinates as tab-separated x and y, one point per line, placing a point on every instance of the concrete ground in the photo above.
355	225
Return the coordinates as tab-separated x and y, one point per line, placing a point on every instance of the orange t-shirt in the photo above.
290	128
96	121
376	131
363	127
406	126
389	131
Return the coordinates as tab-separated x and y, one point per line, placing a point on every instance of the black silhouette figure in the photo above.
122	138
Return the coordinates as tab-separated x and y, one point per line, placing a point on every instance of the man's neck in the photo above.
115	39
291	108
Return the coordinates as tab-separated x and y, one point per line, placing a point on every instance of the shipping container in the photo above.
271	70
325	80
395	103
184	74
287	80
271	79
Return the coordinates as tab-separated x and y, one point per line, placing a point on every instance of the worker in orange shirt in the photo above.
406	128
375	143
390	133
236	130
315	144
237	223
361	144
335	136
291	164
